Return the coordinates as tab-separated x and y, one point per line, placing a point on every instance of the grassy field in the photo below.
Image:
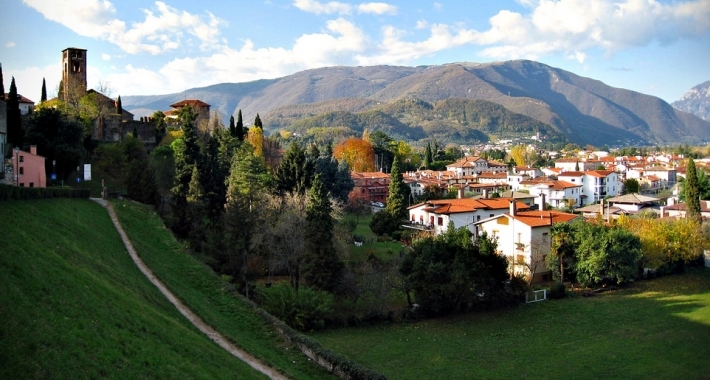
657	329
205	293
385	251
73	304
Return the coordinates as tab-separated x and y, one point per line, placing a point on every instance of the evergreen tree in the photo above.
119	106
44	92
2	85
161	127
257	122
428	155
232	128
344	183
398	193
214	177
295	171
692	192
322	265
240	133
15	132
187	156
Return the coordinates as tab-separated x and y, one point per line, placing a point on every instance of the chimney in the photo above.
33	150
542	202
512	207
461	192
485	193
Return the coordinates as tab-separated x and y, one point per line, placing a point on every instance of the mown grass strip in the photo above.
74	305
207	295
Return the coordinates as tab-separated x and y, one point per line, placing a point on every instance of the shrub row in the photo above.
333	362
9	192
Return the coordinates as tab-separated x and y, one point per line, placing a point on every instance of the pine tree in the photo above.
344	183
692	192
158	119
187	156
322	265
44	92
232	129
239	128
15	132
119	106
295	171
2	85
398	193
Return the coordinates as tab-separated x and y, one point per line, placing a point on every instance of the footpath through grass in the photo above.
73	305
657	329
206	294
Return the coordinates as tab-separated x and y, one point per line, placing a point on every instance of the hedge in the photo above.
9	192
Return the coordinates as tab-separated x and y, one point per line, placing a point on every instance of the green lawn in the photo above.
385	251
206	294
657	329
73	304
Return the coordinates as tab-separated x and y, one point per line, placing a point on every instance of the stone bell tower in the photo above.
73	73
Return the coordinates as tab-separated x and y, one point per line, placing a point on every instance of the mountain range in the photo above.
506	98
696	101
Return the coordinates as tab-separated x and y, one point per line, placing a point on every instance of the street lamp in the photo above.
17	166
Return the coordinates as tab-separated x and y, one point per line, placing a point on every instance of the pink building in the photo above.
28	168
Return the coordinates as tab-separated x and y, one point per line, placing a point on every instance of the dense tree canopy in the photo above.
58	138
358	153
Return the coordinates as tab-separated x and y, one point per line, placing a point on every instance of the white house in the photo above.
596	184
435	215
668	176
475	165
524	237
557	193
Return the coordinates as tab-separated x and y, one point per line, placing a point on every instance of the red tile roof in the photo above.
452	206
189	102
537	218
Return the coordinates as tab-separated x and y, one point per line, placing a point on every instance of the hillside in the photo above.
696	101
450	120
583	109
74	305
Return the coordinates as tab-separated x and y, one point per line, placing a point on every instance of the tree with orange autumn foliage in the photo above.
358	153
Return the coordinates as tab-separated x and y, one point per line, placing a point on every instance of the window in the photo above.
22	158
544	237
22	170
32	184
440	221
478	218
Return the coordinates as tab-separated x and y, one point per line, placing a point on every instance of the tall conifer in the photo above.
232	129
397	198
2	85
15	132
692	192
323	266
239	128
43	98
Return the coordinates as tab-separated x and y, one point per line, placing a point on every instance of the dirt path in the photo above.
192	317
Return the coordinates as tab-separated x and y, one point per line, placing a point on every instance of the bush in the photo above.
305	310
558	290
384	223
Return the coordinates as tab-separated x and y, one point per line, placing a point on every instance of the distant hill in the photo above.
584	110
696	101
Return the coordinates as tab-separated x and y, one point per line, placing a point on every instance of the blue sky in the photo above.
138	47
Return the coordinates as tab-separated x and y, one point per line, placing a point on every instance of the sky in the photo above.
137	47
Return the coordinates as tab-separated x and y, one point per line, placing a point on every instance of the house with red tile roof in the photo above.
26	105
596	184
470	165
556	193
199	107
523	236
372	186
435	215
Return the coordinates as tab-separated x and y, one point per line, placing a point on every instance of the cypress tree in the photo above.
15	132
257	122
44	92
344	183
295	171
397	198
232	129
2	85
428	155
322	265
187	156
692	192
119	106
239	128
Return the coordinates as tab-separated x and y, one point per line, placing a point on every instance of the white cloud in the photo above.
377	8
317	7
105	57
161	31
10	44
570	26
331	7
